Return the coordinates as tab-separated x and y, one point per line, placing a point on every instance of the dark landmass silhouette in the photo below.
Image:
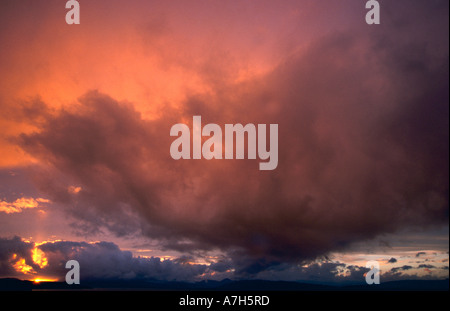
12	284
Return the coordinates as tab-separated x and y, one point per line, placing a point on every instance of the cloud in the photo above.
420	254
100	260
324	272
402	268
392	260
14	251
106	261
363	132
426	266
21	204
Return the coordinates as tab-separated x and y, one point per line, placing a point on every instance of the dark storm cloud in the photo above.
100	260
12	250
420	254
363	150
402	268
426	266
392	260
324	272
105	260
221	266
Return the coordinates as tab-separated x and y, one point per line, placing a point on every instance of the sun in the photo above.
41	279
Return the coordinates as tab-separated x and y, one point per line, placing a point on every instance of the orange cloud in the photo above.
22	267
39	258
21	204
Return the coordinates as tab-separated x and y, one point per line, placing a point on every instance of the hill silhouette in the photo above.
11	284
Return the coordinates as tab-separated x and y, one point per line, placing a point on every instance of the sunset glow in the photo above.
103	124
39	258
38	280
22	267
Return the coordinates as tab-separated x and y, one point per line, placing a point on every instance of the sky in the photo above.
363	119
